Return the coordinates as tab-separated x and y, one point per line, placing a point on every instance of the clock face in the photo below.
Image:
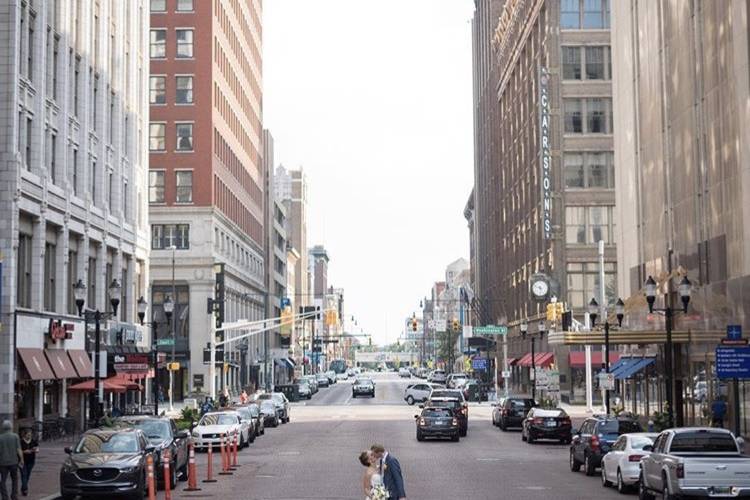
540	288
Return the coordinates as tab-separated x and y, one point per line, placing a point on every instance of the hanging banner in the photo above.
545	159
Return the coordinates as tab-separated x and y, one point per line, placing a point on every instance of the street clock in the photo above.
539	285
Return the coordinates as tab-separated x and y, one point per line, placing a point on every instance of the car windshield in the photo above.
244	412
264	397
702	442
254	410
450	403
153	429
522	403
267	407
218	419
549	413
363	381
436	412
617	427
446	394
638	442
108	443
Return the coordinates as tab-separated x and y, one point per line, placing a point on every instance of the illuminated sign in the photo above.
545	160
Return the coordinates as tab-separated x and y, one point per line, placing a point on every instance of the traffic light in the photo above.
173	367
551	312
567	320
369	340
560	309
414	324
456	325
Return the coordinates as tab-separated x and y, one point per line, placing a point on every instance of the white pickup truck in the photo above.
695	462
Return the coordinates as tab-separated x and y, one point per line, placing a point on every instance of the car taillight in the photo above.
635	458
421	421
505	412
537	420
566	421
465	410
680	471
594	443
455	421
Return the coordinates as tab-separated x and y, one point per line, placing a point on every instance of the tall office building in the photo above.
291	190
72	196
206	181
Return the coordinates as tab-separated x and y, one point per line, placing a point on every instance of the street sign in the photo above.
506	373
490	330
607	381
733	362
734	332
479	364
165	341
219	359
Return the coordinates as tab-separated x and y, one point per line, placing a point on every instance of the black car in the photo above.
363	386
512	411
458	408
594	440
270	413
107	462
437	422
260	428
546	424
163	435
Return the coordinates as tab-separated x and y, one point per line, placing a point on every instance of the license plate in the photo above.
551	423
721	490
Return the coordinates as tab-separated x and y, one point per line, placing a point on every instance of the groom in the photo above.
390	471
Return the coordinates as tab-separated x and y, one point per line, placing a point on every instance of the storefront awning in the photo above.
127	384
285	362
541	359
622	365
511	361
81	362
577	359
36	364
60	363
634	367
88	386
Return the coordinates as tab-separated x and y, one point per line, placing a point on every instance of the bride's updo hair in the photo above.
364	458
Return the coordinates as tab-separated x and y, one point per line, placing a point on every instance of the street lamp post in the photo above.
79	291
684	289
593	313
524	329
168	309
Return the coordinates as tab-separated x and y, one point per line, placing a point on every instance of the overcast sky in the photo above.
373	99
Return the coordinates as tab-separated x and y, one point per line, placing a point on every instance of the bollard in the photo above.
150	478
167	474
210	470
235	464
192	472
224	457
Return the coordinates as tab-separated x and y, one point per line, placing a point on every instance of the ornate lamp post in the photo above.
168	309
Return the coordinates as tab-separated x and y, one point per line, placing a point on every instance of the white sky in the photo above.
373	98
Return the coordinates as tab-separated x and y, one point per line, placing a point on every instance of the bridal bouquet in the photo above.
379	493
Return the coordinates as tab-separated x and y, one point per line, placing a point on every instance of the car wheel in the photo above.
456	438
643	493
575	465
523	435
606	483
410	400
666	494
588	467
530	439
420	437
503	427
463	432
622	488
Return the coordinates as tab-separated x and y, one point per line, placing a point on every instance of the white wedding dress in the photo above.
375	480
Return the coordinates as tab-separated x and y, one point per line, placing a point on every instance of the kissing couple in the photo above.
382	479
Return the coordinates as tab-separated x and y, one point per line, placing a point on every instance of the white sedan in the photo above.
212	426
621	466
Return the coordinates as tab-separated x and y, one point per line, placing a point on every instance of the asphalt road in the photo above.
315	456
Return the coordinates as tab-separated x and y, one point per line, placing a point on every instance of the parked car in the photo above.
331	376
543	423
455	379
437	422
622	465
695	462
269	413
595	438
312	381
404	372
437	376
322	380
303	389
107	462
247	421
260	428
350	373
162	434
281	402
212	426
363	386
418	393
511	411
457	407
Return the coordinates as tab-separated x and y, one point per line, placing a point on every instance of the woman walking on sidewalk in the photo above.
29	447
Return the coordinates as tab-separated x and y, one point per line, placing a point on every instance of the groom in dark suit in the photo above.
390	471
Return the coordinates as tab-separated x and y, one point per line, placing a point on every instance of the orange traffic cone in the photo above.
192	472
224	457
166	458
210	473
150	478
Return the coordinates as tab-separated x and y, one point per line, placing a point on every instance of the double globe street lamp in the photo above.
88	315
524	327
168	306
593	313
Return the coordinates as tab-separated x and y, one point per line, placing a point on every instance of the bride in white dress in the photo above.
372	478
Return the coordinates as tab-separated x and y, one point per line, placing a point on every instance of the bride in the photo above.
372	478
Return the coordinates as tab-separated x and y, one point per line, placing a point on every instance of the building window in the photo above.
596	115
597	112
184	5
184	182
595	63
164	236
27	152
570	14
573	122
50	272
156	186
158	5
590	170
586	14
157	90
184	43
571	57
184	137
52	155
23	278
156	136
111	191
589	225
91	301
583	283
74	172
184	90
181	314
158	44
72	278
125	204
92	183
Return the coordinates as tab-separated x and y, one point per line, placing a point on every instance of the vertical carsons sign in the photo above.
546	161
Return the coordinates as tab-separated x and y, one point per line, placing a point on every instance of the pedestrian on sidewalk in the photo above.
11	458
718	412
29	447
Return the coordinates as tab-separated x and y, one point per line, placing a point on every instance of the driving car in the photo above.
437	376
269	413
303	389
331	376
363	386
442	392
213	425
281	402
350	372
247	420
437	422
622	465
541	423
404	372
459	409
512	411
340	377
254	408
594	439
106	462
454	380
418	393
162	434
322	380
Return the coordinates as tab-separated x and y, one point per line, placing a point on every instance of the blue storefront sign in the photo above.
733	362
479	364
734	332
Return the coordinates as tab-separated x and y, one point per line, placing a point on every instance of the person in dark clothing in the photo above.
11	458
718	412
29	447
